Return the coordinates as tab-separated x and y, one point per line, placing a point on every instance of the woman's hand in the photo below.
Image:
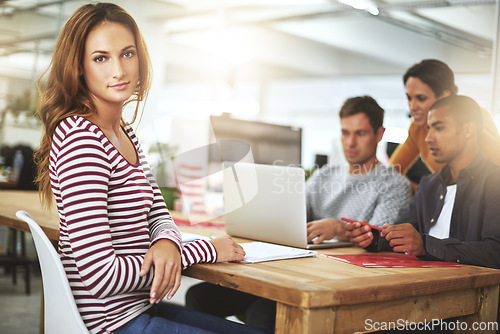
165	257
227	249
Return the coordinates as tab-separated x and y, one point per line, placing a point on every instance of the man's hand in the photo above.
404	238
359	235
164	255
325	229
227	249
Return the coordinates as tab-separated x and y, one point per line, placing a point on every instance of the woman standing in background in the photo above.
425	83
119	246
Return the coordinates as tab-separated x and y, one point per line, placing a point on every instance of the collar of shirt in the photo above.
468	172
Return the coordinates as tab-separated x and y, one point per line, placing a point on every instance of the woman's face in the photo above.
110	64
420	99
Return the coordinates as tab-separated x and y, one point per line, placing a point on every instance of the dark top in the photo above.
475	220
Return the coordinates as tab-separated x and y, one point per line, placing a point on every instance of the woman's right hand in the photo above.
165	257
227	249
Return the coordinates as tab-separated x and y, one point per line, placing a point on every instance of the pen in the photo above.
356	221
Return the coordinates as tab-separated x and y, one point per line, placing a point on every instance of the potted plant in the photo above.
163	171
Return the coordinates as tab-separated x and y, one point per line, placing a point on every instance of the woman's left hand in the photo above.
165	257
227	249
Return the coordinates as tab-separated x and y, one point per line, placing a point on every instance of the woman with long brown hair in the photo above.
119	246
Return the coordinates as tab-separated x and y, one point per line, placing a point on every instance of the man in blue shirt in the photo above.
454	215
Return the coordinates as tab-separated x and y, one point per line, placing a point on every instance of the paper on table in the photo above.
262	251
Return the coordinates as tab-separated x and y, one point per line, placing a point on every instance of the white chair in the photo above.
61	313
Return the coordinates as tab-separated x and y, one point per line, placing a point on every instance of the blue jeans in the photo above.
167	318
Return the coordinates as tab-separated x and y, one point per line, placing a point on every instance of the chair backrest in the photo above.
61	313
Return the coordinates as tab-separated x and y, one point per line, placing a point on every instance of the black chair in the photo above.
417	171
15	256
15	253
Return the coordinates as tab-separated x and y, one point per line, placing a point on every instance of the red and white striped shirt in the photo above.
110	213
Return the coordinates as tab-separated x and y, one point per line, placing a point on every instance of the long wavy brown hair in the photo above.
62	89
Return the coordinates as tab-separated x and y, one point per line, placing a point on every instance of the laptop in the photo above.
268	203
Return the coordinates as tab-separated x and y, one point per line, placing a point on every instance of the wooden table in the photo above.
321	295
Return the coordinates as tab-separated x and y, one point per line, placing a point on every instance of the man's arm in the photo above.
395	197
481	253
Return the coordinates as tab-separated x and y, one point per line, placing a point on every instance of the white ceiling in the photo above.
193	40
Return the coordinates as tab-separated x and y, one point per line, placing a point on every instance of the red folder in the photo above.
395	260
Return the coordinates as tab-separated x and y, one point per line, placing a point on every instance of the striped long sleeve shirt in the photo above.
111	211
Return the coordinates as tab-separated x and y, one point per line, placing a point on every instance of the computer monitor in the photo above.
270	143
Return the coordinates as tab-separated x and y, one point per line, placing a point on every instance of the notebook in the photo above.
259	251
268	203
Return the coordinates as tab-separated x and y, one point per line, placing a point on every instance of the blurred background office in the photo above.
272	73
